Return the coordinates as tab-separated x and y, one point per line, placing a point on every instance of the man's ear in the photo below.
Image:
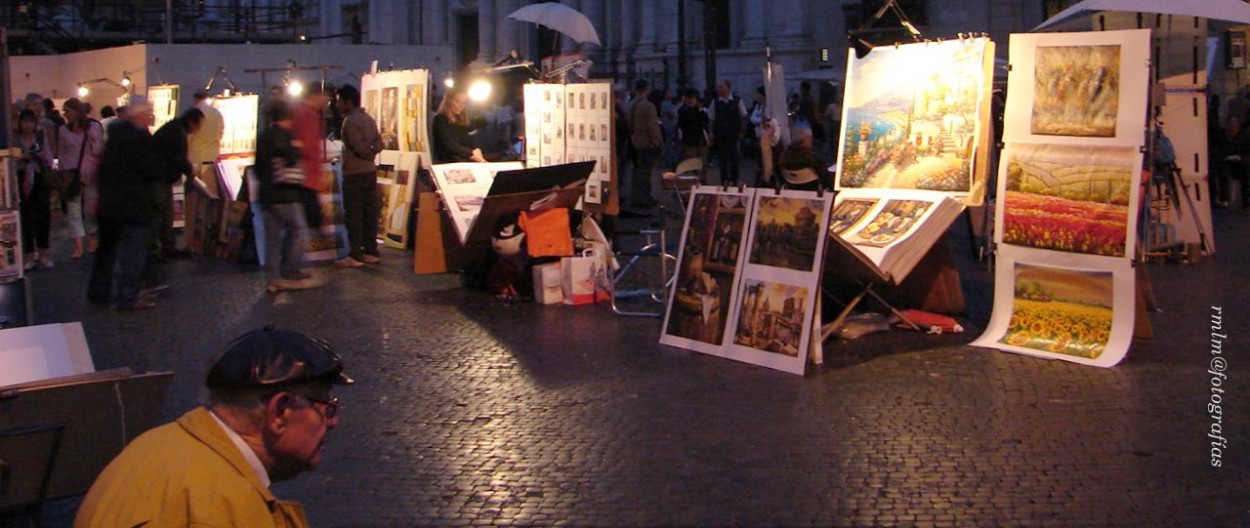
276	412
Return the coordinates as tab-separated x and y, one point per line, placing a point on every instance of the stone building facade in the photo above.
644	38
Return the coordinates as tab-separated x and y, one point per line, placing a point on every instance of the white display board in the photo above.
1068	195
464	186
239	113
399	102
567	123
769	245
34	353
164	101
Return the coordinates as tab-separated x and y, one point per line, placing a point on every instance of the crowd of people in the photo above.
113	180
667	128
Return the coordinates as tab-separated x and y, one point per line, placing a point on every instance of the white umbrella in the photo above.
1226	10
561	18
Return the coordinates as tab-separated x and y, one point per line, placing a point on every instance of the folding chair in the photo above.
685	177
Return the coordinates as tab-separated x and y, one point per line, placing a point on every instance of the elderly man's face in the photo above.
298	446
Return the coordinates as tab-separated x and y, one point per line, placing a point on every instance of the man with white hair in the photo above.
801	168
127	209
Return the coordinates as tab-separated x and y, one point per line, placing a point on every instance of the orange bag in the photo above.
547	232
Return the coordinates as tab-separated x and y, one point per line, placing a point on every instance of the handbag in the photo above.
69	182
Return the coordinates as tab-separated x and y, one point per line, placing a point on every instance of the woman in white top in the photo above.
72	153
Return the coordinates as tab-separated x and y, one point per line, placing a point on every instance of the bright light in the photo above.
449	82
125	80
479	90
295	89
83	91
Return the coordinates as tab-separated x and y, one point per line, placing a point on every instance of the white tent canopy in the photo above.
1226	10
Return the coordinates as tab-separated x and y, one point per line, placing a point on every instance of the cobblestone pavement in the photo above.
472	411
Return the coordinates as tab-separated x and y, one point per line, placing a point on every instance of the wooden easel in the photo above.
933	285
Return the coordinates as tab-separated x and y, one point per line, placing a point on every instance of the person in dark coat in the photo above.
452	130
127	209
169	146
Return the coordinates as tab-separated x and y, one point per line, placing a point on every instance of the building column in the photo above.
506	29
787	25
593	9
628	16
486	31
435	23
649	11
753	17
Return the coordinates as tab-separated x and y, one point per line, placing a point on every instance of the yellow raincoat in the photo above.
187	473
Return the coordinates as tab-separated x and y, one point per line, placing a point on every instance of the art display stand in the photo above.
749	271
431	251
1069	197
100	411
49	379
462	220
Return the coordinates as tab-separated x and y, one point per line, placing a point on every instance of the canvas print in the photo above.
388	121
1068	198
164	101
699	309
460	176
912	117
384	205
848	213
772	317
10	244
371	104
1076	91
1061	311
414	118
895	221
787	231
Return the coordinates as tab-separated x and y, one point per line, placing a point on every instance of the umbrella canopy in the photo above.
1226	10
559	17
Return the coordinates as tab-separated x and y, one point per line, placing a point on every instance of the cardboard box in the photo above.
547	288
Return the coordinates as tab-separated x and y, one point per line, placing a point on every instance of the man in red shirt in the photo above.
309	134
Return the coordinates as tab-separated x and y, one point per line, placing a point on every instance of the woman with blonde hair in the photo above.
79	145
452	128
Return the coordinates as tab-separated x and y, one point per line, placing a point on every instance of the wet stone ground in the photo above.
473	411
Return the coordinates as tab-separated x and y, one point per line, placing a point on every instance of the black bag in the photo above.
69	183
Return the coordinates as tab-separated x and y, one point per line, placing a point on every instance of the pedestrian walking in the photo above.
126	212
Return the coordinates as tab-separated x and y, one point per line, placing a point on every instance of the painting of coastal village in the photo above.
913	118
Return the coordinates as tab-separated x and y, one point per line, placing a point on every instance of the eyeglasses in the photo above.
332	406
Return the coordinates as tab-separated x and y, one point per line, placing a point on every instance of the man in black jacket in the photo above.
169	145
127	173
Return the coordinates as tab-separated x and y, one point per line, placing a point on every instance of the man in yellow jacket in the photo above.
268	413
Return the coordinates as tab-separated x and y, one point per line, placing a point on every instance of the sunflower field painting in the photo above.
1061	311
1071	199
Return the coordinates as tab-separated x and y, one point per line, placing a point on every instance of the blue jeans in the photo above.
120	260
286	235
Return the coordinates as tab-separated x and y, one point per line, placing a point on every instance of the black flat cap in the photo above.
269	358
